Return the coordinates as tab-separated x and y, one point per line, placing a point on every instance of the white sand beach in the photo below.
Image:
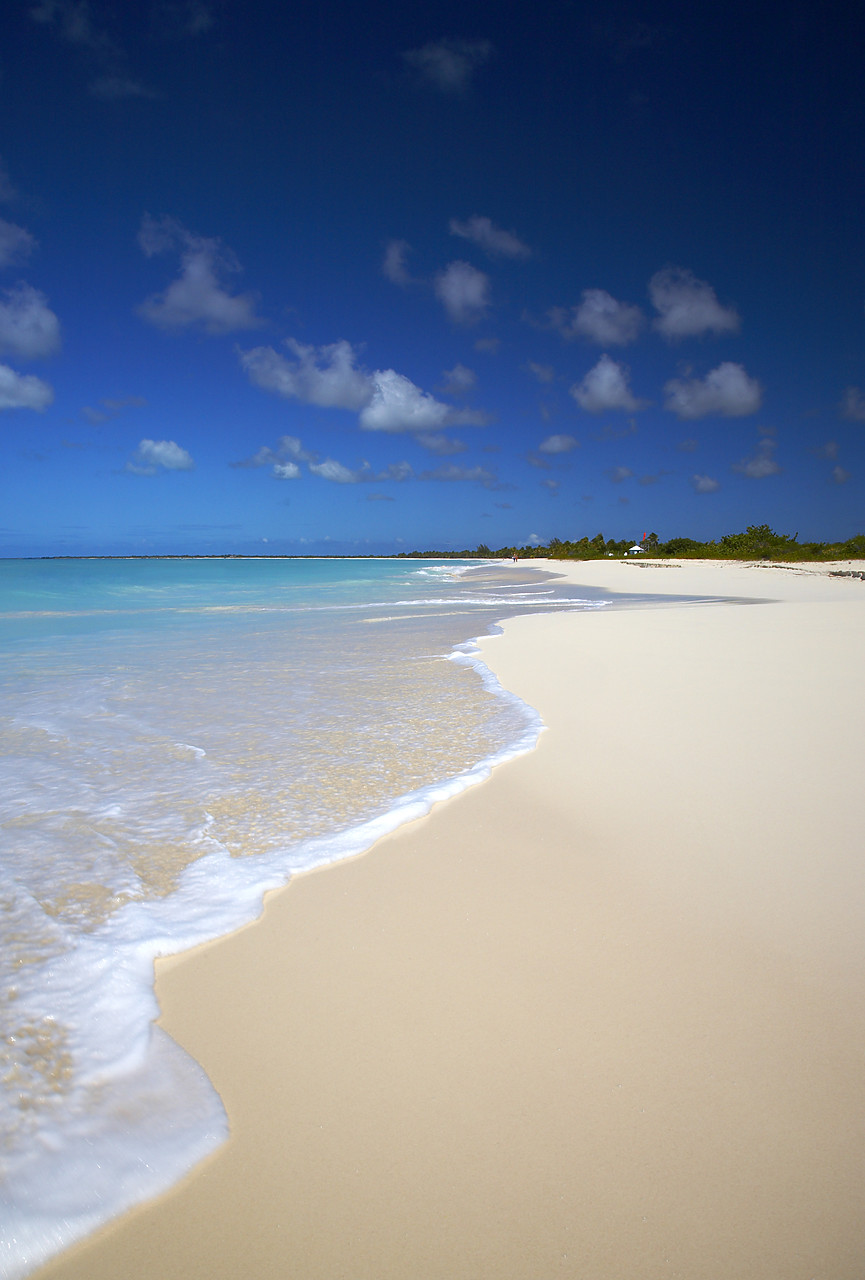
600	1017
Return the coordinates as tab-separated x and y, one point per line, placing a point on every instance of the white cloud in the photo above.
330	469
326	376
601	318
394	264
704	484
687	306
761	464
458	380
398	405
284	458
494	241
28	326
16	244
464	291
543	372
290	447
336	472
197	299
23	391
440	444
727	391
839	475
449	64
557	444
606	386
853	405
153	456
618	474
552	485
397	471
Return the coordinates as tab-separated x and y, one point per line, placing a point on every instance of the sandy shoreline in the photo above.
599	1017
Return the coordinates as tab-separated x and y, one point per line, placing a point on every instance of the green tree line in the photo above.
758	542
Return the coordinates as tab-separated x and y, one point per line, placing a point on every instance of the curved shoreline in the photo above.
599	1015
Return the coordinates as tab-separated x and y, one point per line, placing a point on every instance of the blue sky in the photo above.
330	277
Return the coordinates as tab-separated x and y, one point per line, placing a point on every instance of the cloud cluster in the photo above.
394	265
396	404
458	380
463	291
727	391
761	463
198	299
16	244
326	376
606	386
557	444
449	65
28	327
153	456
72	21
338	474
23	391
441	445
853	405
599	318
494	241
330	377
704	484
284	458
688	307
289	453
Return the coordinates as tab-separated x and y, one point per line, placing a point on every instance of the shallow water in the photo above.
179	737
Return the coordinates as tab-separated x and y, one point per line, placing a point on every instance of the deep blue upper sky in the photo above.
337	277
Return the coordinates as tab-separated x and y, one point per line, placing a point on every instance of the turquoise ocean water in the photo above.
178	737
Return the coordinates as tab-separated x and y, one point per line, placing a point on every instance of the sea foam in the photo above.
160	777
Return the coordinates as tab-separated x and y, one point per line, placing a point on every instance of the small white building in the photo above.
636	549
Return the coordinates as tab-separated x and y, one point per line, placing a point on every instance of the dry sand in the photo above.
600	1017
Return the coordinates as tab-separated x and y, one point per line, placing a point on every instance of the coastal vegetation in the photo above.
758	542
